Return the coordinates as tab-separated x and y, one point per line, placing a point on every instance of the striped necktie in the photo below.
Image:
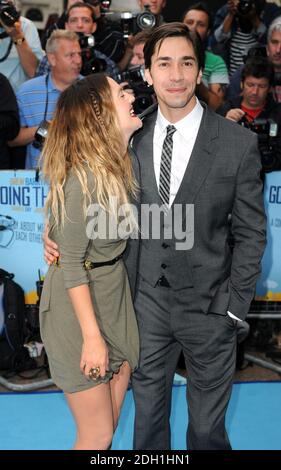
165	166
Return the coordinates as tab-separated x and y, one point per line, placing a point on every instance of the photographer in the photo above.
273	52
256	109
156	7
240	25
20	47
132	24
81	20
108	34
133	76
37	98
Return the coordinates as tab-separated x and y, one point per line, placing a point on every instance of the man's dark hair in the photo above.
80	5
258	67
201	6
173	30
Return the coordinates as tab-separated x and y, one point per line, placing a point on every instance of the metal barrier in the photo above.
26	387
264	311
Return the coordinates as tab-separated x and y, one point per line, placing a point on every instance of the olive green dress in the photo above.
110	292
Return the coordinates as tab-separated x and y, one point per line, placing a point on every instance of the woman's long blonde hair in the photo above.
85	133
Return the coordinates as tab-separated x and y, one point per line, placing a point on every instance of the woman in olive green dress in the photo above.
87	319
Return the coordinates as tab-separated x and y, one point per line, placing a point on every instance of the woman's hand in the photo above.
50	248
94	354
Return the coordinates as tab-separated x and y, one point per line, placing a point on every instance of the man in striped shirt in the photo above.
239	27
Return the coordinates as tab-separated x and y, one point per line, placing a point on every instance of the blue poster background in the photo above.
22	201
269	284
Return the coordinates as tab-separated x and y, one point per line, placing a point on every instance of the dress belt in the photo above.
88	265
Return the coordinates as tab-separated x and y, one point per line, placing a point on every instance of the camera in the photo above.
268	141
144	93
245	6
41	134
86	41
132	23
90	63
8	14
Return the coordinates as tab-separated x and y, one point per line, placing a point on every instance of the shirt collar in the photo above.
185	126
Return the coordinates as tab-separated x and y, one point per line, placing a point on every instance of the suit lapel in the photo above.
201	159
145	156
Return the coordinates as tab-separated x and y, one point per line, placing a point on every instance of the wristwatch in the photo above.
19	41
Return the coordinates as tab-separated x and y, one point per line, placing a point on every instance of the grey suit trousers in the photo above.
169	321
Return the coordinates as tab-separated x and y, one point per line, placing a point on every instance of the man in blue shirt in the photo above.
37	98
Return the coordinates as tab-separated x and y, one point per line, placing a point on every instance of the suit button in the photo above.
163	266
165	245
162	281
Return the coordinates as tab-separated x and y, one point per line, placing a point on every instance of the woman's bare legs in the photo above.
118	387
92	411
96	411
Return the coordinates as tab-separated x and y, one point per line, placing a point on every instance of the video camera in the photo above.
8	14
268	141
144	93
132	23
90	63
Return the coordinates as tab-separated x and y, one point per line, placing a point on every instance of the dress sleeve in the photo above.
72	237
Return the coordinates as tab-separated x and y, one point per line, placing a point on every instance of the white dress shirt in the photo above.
183	143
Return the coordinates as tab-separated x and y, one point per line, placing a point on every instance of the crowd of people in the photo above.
124	302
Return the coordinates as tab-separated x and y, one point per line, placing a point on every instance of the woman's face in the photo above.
123	102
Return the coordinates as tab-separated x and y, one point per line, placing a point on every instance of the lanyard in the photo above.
47	96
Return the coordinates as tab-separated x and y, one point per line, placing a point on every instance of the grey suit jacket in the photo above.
222	178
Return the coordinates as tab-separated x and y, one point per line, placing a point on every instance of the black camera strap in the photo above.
47	96
7	51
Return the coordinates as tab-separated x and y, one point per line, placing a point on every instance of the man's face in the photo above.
198	21
274	49
138	57
254	92
174	74
66	61
156	6
80	21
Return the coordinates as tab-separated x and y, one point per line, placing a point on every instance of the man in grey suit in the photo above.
192	299
190	294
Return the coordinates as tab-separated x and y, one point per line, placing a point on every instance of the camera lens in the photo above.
8	14
245	6
146	20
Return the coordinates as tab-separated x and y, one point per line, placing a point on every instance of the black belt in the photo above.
88	265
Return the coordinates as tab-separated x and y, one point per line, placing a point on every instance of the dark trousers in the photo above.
169	322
